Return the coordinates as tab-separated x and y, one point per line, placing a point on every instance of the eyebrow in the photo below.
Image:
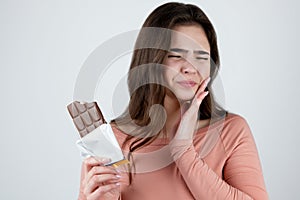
178	50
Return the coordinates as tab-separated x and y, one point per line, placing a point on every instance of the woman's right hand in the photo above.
99	181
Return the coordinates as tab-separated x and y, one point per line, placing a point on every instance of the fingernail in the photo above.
118	170
118	183
118	176
206	93
104	160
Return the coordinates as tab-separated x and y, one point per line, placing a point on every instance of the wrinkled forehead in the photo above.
183	37
189	40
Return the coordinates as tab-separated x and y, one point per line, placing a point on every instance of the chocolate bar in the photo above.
86	116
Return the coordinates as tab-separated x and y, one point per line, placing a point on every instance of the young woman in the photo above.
171	105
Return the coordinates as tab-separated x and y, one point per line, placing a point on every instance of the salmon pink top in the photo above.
221	163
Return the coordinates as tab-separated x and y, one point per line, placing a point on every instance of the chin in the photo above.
181	95
186	96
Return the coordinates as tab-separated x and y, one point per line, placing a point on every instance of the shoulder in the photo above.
231	125
236	132
235	122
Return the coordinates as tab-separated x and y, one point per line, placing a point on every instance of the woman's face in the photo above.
188	61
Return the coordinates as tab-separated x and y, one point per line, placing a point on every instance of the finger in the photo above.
96	170
94	161
87	164
203	86
196	102
99	180
104	189
200	94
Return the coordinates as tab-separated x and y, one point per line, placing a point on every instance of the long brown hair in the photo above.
139	112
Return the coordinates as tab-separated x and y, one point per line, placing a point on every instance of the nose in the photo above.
188	68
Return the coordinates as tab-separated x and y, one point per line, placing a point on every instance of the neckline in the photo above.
199	132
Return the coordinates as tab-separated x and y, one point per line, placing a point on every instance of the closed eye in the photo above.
201	58
174	56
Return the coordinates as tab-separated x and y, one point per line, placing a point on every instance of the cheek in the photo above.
169	74
204	70
171	70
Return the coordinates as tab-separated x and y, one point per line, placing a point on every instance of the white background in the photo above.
43	45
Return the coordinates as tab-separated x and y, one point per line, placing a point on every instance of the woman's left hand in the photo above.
189	117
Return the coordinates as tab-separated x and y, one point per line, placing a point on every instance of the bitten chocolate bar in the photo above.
97	137
86	116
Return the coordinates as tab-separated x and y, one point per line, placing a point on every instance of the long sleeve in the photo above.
242	175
